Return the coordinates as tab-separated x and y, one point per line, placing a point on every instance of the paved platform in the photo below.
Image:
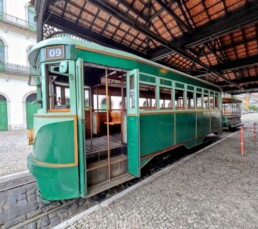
215	188
14	149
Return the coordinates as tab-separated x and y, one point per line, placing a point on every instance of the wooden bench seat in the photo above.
115	118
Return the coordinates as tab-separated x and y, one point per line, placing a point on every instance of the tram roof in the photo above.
33	54
214	40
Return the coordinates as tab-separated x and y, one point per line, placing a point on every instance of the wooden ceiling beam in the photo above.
135	24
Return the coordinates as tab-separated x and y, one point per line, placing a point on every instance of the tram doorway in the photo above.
3	114
105	119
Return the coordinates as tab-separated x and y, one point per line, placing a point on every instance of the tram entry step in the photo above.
101	168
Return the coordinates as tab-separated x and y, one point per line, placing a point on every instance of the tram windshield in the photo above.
58	90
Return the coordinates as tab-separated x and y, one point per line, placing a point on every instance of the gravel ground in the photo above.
14	149
217	188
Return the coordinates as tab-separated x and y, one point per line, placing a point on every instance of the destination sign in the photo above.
55	52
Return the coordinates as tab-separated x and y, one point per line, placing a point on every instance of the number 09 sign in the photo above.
54	52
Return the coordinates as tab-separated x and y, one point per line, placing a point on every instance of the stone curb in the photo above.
14	176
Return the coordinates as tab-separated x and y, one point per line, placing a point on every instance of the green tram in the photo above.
231	113
81	148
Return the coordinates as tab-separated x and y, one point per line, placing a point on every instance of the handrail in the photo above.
30	25
16	69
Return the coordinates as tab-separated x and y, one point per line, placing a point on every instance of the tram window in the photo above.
165	98
86	98
58	93
190	99
116	102
199	101
143	102
148	93
179	99
216	105
67	96
211	102
58	96
205	102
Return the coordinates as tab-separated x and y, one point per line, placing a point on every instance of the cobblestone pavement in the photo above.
14	149
217	188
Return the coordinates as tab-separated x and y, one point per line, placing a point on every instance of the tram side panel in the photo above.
160	131
185	127
203	123
156	132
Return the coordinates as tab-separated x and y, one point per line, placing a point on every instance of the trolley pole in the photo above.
255	131
242	140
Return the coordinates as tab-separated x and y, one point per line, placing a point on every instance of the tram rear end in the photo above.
231	113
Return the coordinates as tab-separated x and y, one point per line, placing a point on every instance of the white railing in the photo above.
18	21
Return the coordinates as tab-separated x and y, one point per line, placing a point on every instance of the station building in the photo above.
17	36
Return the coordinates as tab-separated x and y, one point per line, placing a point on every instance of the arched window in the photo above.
2	51
31	16
2	98
31	97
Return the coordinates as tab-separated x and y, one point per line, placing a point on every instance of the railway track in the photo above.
35	214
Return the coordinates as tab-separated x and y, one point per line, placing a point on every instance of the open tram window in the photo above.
165	98
205	101
58	92
199	103
179	99
87	98
212	101
147	97
190	100
216	104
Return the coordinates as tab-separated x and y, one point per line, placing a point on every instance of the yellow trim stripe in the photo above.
54	165
175	112
55	116
58	110
133	115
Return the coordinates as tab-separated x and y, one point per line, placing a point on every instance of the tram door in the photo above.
81	125
133	122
